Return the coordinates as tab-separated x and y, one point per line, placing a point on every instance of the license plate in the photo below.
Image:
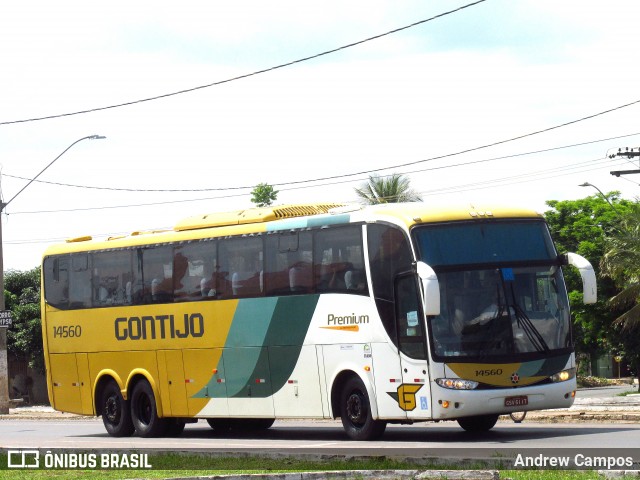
516	401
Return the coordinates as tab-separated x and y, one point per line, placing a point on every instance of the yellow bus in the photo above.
395	313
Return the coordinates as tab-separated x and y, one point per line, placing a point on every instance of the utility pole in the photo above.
4	364
629	154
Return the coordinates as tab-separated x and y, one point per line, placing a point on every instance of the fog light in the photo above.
445	403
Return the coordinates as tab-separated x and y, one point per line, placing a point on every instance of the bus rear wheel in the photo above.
355	412
144	413
116	415
479	423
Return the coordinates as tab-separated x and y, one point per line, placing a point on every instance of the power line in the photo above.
247	75
222	197
500	182
629	180
497	183
285	184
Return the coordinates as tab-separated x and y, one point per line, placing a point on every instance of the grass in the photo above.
550	475
630	392
168	465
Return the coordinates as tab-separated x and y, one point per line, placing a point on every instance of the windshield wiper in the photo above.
512	309
525	323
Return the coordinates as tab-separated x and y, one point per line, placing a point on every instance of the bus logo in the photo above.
160	326
23	459
406	396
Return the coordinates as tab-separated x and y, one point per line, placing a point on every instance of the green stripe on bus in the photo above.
265	332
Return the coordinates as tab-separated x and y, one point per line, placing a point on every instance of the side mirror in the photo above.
431	288
589	286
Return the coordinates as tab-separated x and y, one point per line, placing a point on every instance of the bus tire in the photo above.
355	412
479	423
518	417
115	410
175	426
144	412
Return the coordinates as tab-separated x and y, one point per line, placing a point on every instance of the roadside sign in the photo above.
5	318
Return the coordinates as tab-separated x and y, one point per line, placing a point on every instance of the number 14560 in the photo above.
67	331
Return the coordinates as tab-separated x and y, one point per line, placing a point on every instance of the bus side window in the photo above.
56	281
157	269
198	280
241	266
409	324
113	278
80	281
339	260
289	263
389	254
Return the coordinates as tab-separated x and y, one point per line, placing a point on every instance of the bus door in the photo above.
172	382
70	383
414	394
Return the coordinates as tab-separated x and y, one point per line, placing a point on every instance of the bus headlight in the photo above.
456	383
563	376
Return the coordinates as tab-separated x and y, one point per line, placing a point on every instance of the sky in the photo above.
500	102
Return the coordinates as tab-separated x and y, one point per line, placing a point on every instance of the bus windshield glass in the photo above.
502	291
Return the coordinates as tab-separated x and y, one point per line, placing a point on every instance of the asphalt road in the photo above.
319	438
322	437
601	392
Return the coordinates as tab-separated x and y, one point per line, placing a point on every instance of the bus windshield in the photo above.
502	291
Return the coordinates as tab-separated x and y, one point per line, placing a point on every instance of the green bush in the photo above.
590	382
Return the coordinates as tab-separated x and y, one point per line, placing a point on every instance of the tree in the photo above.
393	188
263	195
580	226
22	297
621	262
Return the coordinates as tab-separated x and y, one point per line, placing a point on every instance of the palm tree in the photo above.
392	188
621	262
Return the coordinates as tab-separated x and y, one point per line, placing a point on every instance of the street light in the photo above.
4	365
587	184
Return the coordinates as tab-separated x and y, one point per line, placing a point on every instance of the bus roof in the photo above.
254	215
262	219
418	212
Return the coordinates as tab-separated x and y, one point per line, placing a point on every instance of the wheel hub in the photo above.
355	409
112	410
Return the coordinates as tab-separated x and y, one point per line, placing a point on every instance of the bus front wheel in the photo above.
355	412
115	411
144	412
479	423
